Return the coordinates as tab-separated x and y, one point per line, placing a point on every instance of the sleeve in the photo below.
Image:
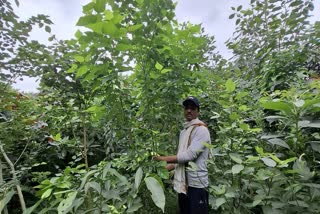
199	136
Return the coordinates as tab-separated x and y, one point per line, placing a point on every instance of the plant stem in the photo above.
14	176
85	141
5	209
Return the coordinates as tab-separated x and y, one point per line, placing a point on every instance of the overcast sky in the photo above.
213	14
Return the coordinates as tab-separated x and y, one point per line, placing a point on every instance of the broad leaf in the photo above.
134	27
79	58
4	201
230	85
94	185
236	169
47	29
86	177
269	162
158	66
100	6
279	142
86	20
66	205
299	103
138	177
256	202
315	145
236	158
109	28
313	125
219	202
30	210
46	194
157	193
82	70
278	105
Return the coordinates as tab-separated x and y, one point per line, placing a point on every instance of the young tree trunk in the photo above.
5	209
14	177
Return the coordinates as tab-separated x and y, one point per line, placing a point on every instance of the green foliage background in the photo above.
110	99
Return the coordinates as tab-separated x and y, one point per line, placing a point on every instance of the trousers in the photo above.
195	202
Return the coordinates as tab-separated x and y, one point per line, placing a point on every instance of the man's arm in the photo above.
168	159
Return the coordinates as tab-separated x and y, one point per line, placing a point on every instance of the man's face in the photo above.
191	111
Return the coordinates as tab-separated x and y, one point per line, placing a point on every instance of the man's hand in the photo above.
170	167
157	158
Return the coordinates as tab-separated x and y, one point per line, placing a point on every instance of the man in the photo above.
191	184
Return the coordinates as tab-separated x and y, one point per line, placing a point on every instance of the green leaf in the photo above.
30	210
269	162
219	201
256	202
310	103
278	105
138	177
108	14
236	169
270	136
299	103
315	145
96	27
123	47
158	66
279	142
230	85
166	70
47	29
95	109
82	70
86	177
66	205
134	27
219	190
298	203
192	166
88	7
100	6
109	28
86	20
51	38
79	58
259	150
273	118
157	193
195	28
72	69
57	137
140	2
232	16
78	34
313	125
94	185
134	207
46	194
4	201
302	168
236	158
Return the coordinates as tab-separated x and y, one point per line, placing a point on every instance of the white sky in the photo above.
213	14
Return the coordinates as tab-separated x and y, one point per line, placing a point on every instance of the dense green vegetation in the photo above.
109	101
